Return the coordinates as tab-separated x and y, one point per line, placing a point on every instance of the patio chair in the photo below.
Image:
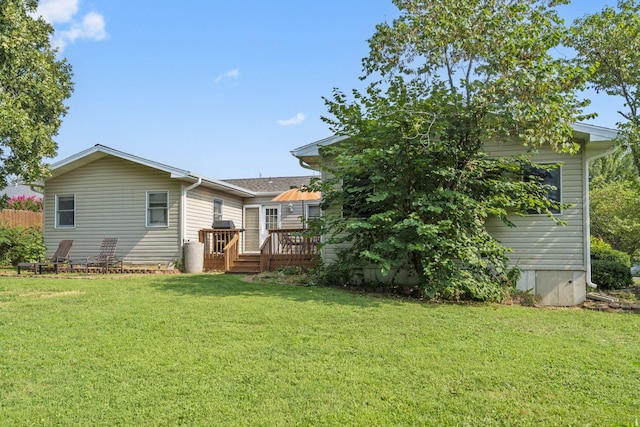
61	256
106	257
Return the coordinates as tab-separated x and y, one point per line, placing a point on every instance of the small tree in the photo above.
413	176
33	88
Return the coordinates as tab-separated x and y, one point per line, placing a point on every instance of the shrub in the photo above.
335	274
25	203
19	244
610	274
602	251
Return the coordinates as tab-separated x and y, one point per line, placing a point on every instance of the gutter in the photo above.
305	165
586	214
183	214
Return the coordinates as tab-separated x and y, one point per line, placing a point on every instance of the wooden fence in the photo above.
14	218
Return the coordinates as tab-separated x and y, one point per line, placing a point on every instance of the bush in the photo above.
334	274
25	203
610	274
602	251
19	244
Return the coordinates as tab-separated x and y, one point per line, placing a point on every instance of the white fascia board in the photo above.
97	149
313	148
596	133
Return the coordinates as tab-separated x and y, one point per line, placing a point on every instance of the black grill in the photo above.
225	225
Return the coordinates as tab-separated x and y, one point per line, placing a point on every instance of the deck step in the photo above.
246	264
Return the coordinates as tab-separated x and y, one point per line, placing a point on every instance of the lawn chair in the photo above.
106	257
61	256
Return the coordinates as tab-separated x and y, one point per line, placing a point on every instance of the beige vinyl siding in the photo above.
330	251
287	219
111	201
538	243
200	210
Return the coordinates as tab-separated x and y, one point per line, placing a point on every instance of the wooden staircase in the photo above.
246	263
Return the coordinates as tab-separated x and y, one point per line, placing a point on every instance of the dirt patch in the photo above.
279	278
624	300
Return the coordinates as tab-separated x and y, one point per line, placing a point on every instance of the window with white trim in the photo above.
218	204
66	211
157	208
271	218
313	212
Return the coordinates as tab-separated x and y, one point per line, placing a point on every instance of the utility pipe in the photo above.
183	214
586	214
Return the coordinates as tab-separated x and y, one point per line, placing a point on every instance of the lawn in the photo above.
215	350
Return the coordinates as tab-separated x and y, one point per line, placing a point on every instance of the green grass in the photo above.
214	350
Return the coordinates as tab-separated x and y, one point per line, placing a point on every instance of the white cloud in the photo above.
57	11
296	120
92	27
229	75
62	13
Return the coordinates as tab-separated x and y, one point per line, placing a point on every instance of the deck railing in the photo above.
282	247
231	252
215	241
293	246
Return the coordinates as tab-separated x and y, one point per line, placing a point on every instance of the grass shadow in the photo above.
225	285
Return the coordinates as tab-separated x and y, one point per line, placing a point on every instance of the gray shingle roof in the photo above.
270	184
19	190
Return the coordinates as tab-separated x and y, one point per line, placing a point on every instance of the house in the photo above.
554	259
16	190
154	209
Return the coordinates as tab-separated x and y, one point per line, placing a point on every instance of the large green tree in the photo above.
615	216
33	87
609	42
615	206
414	180
616	167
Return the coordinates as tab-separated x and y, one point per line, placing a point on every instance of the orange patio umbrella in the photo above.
297	195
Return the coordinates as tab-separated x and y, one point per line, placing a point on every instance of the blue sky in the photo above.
221	88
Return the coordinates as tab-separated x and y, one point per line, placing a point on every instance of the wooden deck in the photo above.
282	247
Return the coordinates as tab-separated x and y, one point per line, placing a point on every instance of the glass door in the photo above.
251	227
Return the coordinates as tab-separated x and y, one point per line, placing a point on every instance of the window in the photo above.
217	209
313	212
549	177
157	209
271	218
355	191
66	211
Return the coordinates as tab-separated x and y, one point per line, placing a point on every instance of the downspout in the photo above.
587	214
183	214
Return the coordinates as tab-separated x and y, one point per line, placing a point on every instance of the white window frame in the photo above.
57	211
221	214
313	205
148	208
278	209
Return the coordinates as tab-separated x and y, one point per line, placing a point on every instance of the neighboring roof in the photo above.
587	132
99	151
19	190
271	185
